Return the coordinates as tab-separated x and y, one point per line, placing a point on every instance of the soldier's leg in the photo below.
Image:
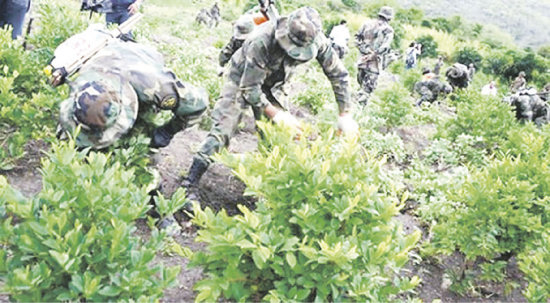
226	117
368	84
13	14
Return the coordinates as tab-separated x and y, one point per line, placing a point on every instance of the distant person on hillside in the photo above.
458	75
12	13
438	65
339	36
241	30
471	72
258	69
529	106
489	89
430	88
215	14
411	54
373	41
209	17
545	92
518	83
109	89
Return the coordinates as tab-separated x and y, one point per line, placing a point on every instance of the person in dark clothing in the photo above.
121	11
12	12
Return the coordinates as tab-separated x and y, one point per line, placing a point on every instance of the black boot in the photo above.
191	182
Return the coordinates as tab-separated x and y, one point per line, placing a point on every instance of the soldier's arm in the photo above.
228	51
337	73
254	73
385	46
360	36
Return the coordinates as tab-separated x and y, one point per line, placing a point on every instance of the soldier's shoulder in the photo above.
262	37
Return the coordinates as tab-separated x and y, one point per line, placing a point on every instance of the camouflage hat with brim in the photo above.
103	114
243	27
298	33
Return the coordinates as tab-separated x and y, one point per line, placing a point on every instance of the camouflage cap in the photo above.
243	27
103	114
386	12
297	33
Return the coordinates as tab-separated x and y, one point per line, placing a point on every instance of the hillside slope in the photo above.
528	21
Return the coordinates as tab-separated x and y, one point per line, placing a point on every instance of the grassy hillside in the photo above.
527	21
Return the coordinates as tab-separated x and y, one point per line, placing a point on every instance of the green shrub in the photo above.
502	212
429	46
393	104
468	55
508	63
323	228
480	116
75	240
535	263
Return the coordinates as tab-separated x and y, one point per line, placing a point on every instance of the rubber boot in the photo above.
191	182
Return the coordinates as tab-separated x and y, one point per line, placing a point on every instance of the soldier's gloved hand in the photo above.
285	118
347	125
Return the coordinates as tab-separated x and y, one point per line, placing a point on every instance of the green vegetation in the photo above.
75	239
324	227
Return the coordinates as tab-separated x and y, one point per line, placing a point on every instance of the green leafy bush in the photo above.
464	150
480	116
507	64
503	211
393	104
323	228
468	55
429	46
535	263
75	240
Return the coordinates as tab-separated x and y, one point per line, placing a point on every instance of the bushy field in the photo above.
324	227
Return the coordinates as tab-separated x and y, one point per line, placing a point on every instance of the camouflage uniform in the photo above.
529	107
431	89
204	18
438	65
215	14
243	27
373	40
458	75
545	93
262	66
518	83
110	86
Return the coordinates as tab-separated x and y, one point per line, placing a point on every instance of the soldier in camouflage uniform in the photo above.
438	65
215	14
242	28
458	75
430	88
258	69
373	40
545	93
110	87
518	83
529	106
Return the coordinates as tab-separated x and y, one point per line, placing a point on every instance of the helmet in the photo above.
426	70
298	33
386	12
243	27
522	74
103	113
